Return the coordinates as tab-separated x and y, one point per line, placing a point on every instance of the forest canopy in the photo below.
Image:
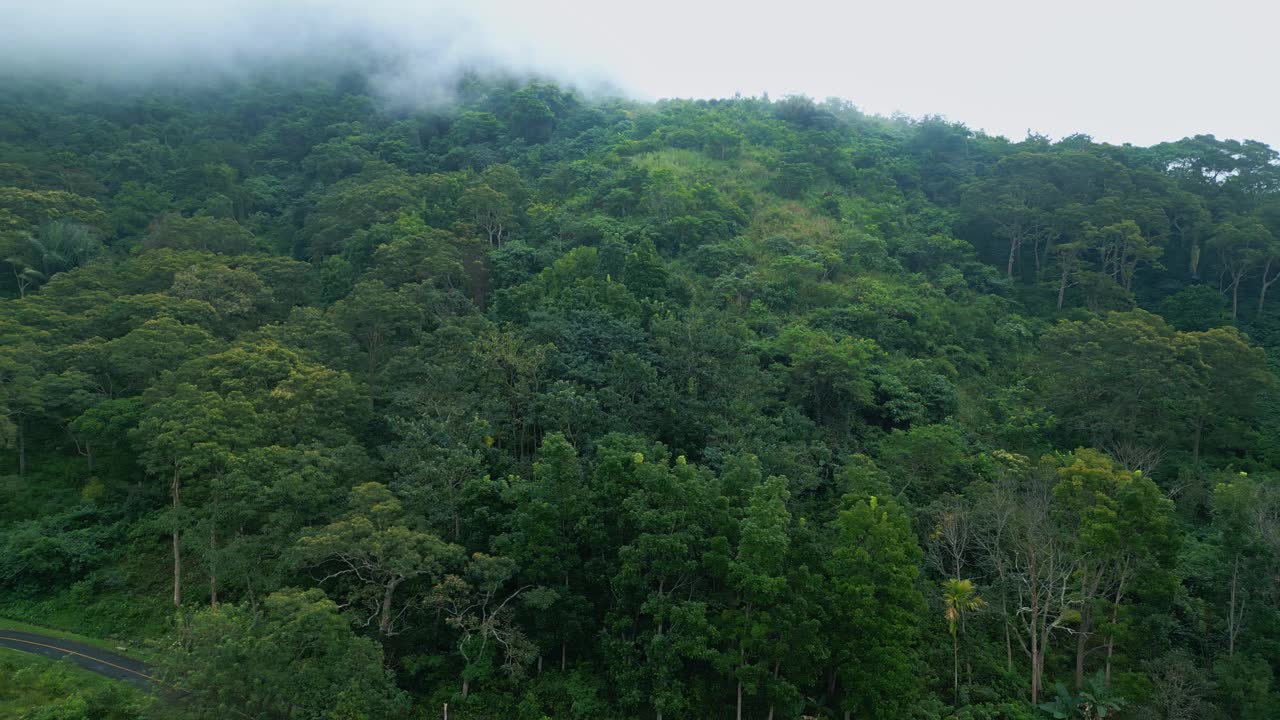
544	405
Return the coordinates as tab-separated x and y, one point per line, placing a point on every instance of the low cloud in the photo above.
413	51
1141	71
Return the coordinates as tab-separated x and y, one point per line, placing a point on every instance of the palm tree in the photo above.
62	245
58	246
959	597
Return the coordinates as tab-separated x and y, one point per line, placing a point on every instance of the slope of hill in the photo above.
550	406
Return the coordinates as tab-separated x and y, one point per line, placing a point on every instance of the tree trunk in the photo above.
1233	628
22	446
176	489
777	665
1111	637
384	614
1008	644
742	659
564	654
1035	665
1034	636
1195	442
1082	637
955	666
1235	299
213	568
1082	641
466	688
1262	292
1062	288
1013	254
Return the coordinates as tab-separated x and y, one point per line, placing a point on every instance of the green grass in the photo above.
115	618
37	687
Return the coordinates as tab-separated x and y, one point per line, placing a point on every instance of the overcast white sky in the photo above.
1136	71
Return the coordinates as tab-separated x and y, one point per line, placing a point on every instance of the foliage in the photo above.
539	404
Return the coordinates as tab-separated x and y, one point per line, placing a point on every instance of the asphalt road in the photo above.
116	667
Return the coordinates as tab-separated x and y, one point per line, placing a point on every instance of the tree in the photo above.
757	575
1069	256
1245	513
490	210
1122	527
1115	381
828	375
959	597
295	658
658	625
1122	248
877	608
188	433
477	606
1014	201
374	552
1239	243
216	235
1230	378
553	527
377	317
1031	556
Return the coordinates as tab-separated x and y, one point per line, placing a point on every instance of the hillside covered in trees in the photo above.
548	406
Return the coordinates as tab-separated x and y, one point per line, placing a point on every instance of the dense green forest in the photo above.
542	405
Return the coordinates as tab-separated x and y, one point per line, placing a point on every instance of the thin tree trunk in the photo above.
1195	441
1262	293
1034	636
384	614
1082	637
213	565
1035	665
176	489
1013	254
1111	637
22	446
1232	625
777	665
1008	644
955	666
564	654
1082	640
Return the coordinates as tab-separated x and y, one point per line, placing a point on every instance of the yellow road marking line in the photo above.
89	657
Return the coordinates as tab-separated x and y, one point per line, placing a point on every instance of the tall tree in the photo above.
872	572
374	552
